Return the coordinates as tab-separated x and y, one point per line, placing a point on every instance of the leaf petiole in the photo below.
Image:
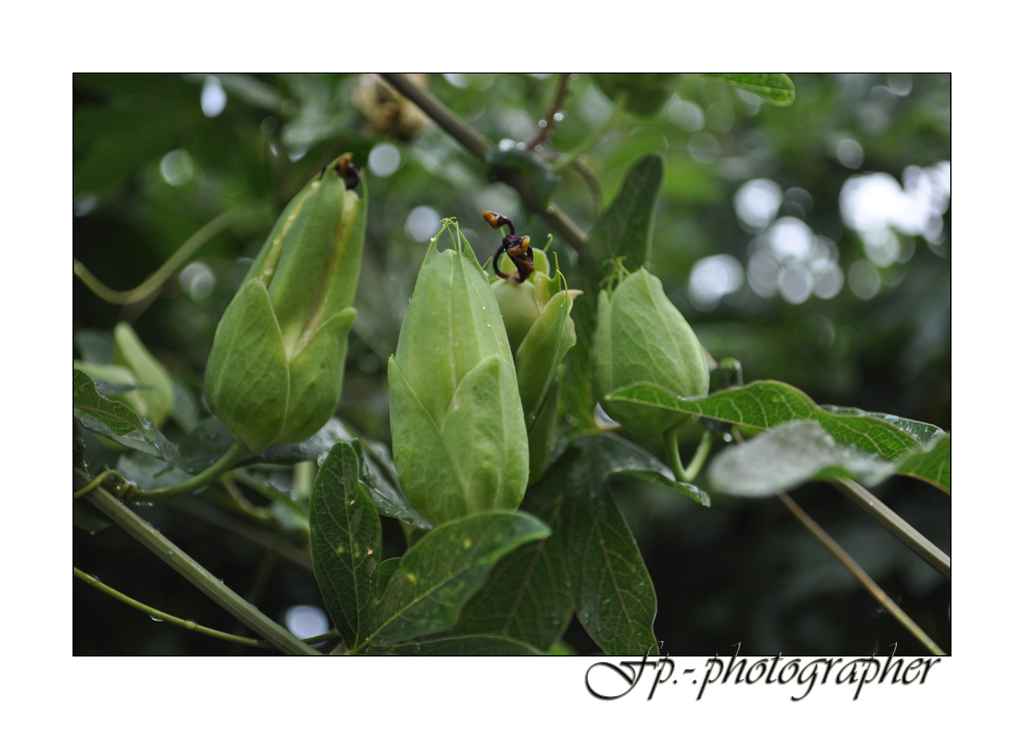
686	475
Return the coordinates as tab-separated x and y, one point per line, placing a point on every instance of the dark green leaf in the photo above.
528	595
149	472
149	440
118	417
767	404
694	492
378	473
445	568
463	645
387	568
205	444
776	88
345	544
615	599
623	230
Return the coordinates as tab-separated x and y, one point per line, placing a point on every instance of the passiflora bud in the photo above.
457	428
540	333
156	387
275	371
642	338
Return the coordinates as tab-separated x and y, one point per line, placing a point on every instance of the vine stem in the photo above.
858	572
144	532
896	525
157	279
477	145
549	117
167	617
225	464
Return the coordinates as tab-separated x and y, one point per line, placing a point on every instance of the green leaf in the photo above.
790	455
615	599
776	88
118	417
767	404
931	465
445	568
798	452
345	544
923	433
463	645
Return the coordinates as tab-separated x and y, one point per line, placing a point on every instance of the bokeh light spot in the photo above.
685	114
213	98
197	280
305	621
864	280
849	153
384	160
177	167
712	278
423	222
704	148
757	203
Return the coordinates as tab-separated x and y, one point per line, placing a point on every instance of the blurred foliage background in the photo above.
811	242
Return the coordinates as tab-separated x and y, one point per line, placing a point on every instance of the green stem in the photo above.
167	617
686	475
896	526
593	138
226	462
183	564
157	279
858	572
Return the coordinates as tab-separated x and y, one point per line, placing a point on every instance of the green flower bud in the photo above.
153	393
540	333
275	371
156	387
457	428
642	338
